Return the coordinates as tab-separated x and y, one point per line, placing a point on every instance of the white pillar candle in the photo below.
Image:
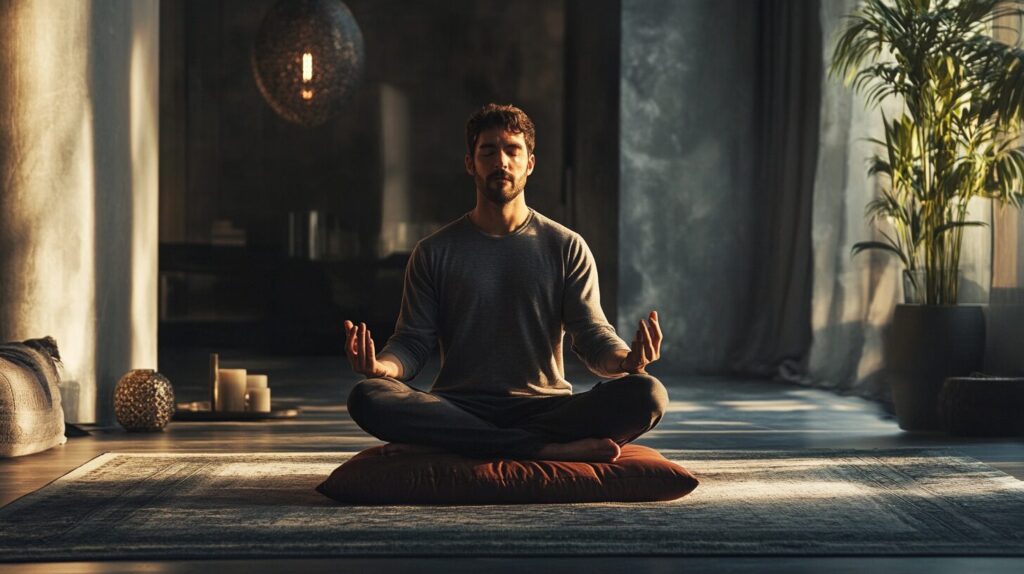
231	390
255	382
258	400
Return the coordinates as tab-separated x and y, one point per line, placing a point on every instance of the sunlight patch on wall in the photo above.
144	113
52	180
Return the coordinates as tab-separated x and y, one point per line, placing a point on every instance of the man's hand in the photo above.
646	346
360	351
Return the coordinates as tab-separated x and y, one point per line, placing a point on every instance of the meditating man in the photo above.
498	288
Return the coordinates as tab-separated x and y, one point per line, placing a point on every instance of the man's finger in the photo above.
350	329
371	350
350	347
648	342
348	350
363	345
357	349
656	333
350	339
638	347
367	357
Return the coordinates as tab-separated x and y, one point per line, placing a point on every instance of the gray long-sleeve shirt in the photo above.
499	307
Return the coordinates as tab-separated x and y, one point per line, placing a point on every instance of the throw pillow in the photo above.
31	419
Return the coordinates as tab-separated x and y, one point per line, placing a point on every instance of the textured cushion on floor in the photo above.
31	419
640	474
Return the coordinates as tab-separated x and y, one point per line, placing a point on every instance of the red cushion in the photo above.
640	474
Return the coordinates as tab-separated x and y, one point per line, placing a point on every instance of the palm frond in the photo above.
861	246
962	94
945	227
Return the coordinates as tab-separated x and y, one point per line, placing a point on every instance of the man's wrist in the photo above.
392	367
616	362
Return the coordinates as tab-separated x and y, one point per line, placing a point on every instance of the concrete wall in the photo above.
78	188
686	175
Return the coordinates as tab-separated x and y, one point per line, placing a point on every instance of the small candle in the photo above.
214	368
231	390
258	400
255	382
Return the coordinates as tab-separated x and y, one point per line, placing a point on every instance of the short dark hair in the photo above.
507	117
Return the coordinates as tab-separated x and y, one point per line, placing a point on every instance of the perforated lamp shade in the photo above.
308	59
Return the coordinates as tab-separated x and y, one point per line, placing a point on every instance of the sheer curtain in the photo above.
853	298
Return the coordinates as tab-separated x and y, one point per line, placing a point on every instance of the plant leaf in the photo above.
956	224
880	245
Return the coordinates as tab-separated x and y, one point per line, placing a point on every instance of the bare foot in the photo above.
583	450
393	448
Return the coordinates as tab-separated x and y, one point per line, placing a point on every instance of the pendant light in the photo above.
308	59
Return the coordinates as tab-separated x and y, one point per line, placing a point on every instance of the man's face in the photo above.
500	165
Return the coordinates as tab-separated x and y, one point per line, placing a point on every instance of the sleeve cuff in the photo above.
408	364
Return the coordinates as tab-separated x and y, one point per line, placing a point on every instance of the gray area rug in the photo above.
810	503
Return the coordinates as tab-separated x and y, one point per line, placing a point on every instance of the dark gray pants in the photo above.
484	426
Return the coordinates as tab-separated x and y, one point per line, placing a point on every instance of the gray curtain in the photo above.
788	99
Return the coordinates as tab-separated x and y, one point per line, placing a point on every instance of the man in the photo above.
498	288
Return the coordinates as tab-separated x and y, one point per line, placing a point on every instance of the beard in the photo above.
501	188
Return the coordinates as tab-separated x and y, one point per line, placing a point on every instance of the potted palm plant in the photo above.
961	98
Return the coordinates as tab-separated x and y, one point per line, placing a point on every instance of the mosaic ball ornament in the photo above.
308	59
143	400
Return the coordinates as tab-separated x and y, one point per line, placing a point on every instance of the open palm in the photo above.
646	345
360	350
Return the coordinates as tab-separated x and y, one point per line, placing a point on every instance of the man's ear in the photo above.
530	164
470	169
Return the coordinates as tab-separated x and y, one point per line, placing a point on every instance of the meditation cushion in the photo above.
640	474
31	419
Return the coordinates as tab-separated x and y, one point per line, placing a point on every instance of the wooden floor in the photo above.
705	413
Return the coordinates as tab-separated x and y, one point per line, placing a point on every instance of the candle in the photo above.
255	382
214	368
231	390
258	400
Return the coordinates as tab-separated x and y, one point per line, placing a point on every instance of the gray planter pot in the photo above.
927	344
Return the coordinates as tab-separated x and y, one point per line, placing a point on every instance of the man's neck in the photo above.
498	219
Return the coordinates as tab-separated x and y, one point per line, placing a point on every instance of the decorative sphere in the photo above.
143	400
308	58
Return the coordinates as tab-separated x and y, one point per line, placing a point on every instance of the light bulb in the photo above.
307	67
307	75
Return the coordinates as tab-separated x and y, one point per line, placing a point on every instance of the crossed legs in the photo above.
585	426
